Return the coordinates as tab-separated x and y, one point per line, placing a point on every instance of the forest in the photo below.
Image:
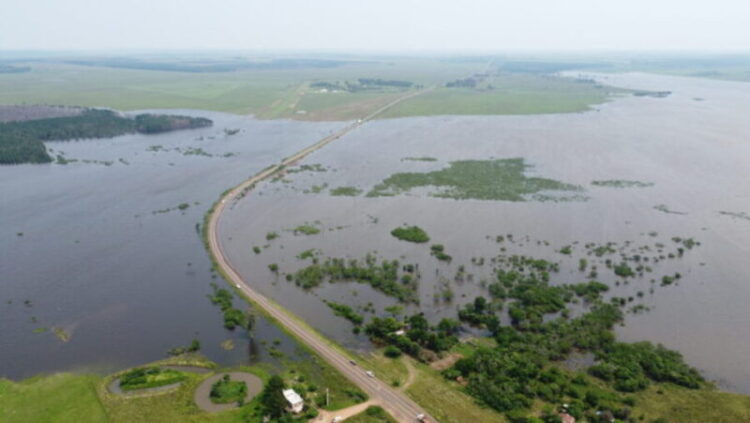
23	142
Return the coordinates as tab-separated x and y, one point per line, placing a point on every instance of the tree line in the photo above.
23	141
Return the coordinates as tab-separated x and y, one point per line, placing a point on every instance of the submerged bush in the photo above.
411	234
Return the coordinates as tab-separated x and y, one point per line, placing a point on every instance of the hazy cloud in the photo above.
375	25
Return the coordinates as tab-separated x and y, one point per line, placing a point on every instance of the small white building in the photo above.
294	400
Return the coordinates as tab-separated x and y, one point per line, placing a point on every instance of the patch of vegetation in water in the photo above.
664	209
315	167
226	391
315	189
306	229
501	179
736	215
149	377
61	334
232	316
195	346
384	277
347	191
654	94
179	207
438	250
419	159
621	183
306	254
411	233
345	311
513	375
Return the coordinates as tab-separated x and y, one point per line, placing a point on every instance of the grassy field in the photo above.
60	398
446	401
287	93
507	94
275	93
682	405
442	399
373	414
80	398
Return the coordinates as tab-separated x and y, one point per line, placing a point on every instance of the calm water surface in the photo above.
95	260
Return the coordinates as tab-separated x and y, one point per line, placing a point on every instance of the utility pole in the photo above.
327	398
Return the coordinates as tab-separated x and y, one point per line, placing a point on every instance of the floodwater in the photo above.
693	145
83	245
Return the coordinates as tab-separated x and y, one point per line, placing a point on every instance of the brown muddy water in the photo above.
693	145
103	253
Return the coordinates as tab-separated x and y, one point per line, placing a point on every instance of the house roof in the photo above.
291	396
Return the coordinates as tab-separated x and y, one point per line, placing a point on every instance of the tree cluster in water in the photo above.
22	142
546	323
388	277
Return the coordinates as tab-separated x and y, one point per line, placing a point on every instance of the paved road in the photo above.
397	403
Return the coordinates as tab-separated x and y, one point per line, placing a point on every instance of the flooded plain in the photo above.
101	262
690	150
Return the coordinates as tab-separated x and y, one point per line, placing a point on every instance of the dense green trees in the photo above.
630	366
22	142
17	148
272	399
523	368
414	335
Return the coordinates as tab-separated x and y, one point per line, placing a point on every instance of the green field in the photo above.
60	398
267	93
508	94
373	414
287	93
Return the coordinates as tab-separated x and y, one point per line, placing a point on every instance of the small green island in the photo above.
23	141
411	233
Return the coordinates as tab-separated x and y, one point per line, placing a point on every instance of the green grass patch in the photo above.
149	377
59	398
306	229
502	179
347	191
226	391
373	414
676	404
446	401
411	234
508	94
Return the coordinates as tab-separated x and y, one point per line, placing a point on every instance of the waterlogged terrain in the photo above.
647	194
102	262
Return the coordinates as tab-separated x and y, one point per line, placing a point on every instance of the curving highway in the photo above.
401	407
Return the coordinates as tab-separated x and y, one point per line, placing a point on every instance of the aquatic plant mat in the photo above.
500	179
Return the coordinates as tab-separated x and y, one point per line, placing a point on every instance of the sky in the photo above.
381	25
